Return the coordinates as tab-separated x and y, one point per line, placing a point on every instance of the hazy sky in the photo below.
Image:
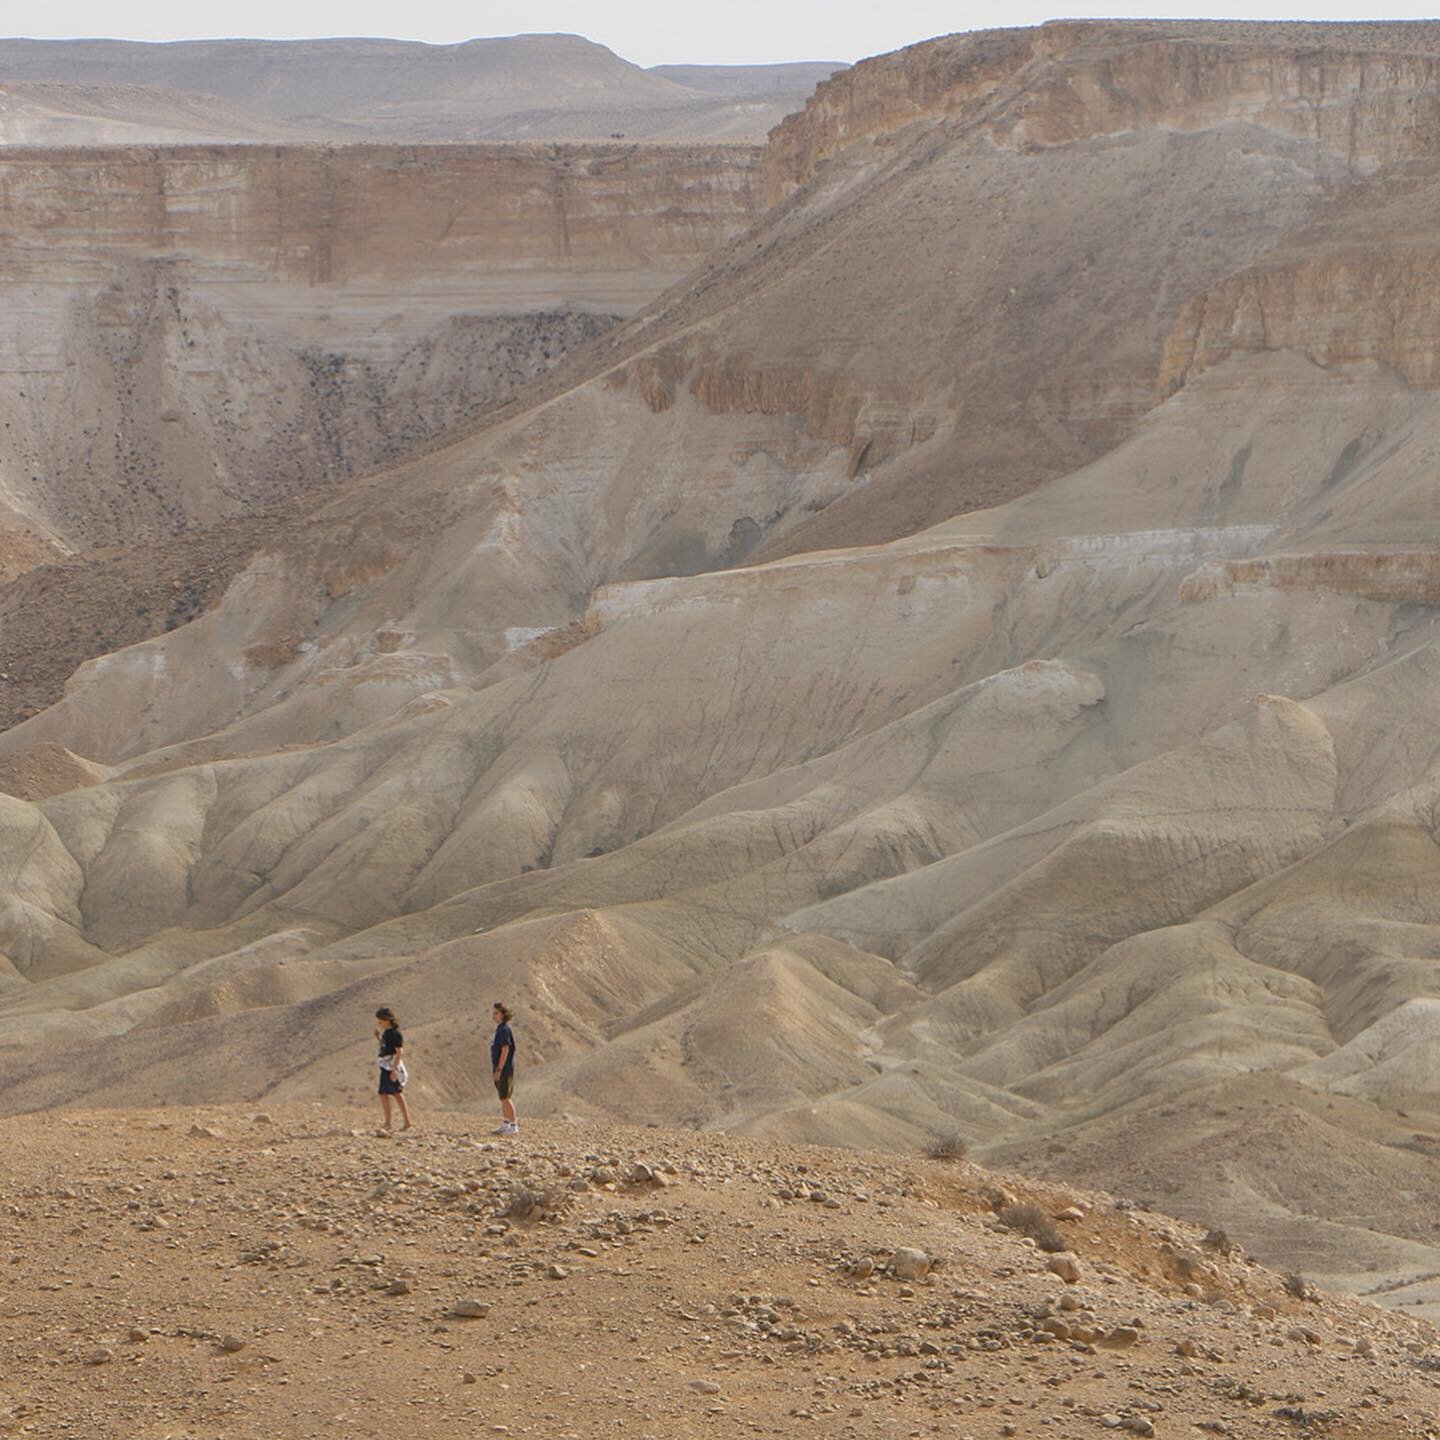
650	32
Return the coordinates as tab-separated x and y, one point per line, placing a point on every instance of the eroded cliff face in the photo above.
327	215
1369	96
1364	305
940	77
1370	107
192	333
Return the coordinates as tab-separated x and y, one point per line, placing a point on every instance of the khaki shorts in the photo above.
505	1085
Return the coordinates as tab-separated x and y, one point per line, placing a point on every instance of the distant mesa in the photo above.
523	87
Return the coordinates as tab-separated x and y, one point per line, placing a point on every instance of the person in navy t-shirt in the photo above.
392	1065
502	1063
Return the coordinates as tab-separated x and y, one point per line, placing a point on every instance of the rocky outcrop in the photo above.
873	427
1370	107
1369	95
940	77
1385	576
1364	305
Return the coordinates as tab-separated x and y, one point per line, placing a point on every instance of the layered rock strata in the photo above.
191	333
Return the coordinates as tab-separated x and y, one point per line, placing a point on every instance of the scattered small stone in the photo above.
910	1264
1066	1266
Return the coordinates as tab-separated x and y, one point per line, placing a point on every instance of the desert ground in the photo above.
226	1271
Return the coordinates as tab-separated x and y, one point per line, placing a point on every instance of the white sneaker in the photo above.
510	1129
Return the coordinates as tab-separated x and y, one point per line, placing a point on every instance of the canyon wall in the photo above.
188	333
1370	97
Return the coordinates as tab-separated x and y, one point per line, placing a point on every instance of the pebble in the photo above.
910	1264
1066	1266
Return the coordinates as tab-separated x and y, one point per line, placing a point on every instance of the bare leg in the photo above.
385	1106
507	1109
404	1110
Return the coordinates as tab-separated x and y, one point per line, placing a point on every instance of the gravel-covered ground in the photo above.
223	1274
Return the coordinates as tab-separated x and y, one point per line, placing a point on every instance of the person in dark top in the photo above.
502	1062
392	1065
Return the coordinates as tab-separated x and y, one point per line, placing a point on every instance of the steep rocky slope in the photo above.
961	661
284	1271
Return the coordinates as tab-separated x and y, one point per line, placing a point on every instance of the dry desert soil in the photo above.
226	1272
